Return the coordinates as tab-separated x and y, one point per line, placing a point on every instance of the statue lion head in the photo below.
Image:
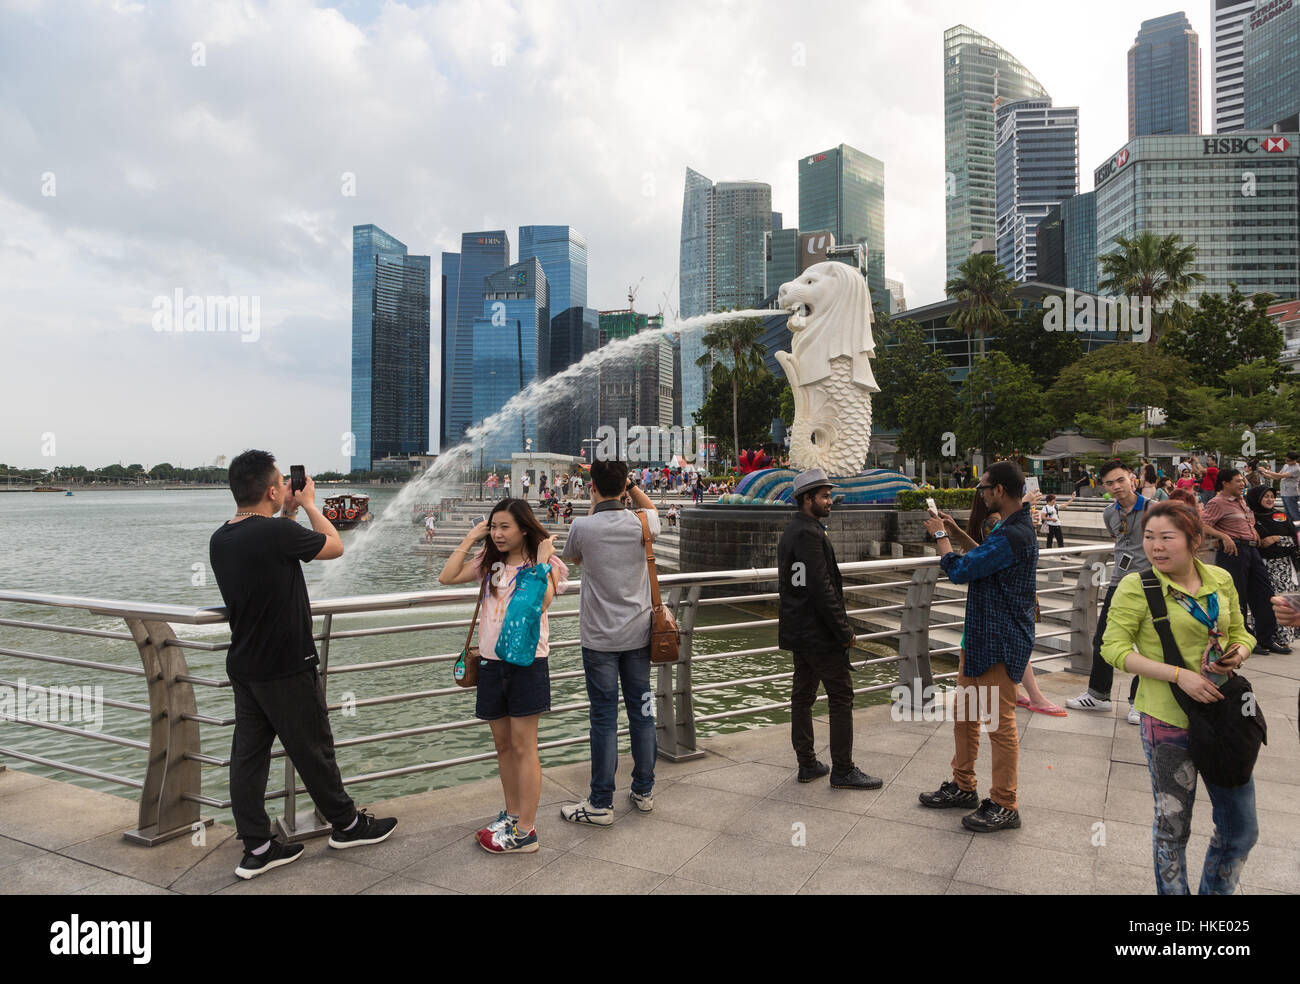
830	316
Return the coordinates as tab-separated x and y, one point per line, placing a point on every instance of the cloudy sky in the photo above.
206	147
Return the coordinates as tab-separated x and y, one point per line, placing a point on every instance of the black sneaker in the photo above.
807	773
949	794
1277	647
990	817
367	830
1261	650
274	856
855	778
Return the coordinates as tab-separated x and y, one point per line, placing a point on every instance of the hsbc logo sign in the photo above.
1245	145
1108	169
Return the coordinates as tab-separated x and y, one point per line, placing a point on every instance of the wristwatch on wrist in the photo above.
941	534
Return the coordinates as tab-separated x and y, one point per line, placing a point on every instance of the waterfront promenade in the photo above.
734	820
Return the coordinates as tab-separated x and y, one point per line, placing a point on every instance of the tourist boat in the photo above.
347	509
48	488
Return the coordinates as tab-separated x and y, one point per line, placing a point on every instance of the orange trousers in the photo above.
995	693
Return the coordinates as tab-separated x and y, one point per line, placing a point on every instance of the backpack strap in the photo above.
1160	619
655	601
474	621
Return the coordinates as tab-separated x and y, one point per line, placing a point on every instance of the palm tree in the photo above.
1151	266
983	292
739	340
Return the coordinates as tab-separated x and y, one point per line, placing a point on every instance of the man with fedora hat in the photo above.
814	627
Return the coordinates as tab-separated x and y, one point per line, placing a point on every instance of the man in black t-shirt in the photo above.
272	661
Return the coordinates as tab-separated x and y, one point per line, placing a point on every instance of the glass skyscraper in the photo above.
780	259
481	254
1271	62
512	339
574	333
1236	198
1051	248
450	285
562	251
1079	221
1227	34
722	264
977	77
1037	166
842	190
1164	78
390	348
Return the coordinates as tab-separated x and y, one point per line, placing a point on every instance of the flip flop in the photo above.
1049	709
1022	701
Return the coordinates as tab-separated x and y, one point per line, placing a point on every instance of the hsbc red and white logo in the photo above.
1110	167
1275	145
1121	158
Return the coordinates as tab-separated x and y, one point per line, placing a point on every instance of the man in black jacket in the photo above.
814	626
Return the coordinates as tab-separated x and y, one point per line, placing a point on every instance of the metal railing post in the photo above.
294	826
1083	620
675	710
173	770
914	672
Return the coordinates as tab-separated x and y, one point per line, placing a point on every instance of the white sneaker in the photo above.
1087	702
1134	715
584	812
643	803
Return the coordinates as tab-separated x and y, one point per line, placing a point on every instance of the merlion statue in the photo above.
829	367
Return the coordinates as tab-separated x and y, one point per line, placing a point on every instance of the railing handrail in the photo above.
170	795
354	604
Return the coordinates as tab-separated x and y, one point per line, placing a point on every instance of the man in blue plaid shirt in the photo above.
996	646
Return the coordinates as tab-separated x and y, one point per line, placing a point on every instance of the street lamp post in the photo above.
985	405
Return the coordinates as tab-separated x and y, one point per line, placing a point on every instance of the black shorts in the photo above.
515	691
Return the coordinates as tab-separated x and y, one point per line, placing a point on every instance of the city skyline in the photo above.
205	180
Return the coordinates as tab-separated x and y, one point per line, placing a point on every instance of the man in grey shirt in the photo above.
615	620
1290	490
1123	519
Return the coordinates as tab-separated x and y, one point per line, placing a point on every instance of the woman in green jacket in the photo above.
1205	616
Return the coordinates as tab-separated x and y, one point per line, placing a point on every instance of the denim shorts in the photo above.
515	691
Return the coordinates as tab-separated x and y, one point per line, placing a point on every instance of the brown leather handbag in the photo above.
665	637
465	670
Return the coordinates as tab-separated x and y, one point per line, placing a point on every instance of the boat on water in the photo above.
69	492
49	488
347	509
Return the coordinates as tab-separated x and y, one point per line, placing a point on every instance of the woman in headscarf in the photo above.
1277	545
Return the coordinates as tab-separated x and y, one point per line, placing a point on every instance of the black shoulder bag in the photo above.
1223	736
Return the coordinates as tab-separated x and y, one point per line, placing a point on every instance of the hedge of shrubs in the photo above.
945	499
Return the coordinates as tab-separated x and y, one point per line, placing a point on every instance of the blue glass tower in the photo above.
562	251
450	291
1164	78
574	333
481	254
512	339
390	348
1079	219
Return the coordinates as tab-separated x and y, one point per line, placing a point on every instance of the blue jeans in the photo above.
603	672
1291	505
1173	781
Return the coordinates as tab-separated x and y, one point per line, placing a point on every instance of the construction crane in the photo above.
631	292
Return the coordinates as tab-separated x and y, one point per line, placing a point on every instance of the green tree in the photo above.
1110	393
735	343
758	403
1163	380
916	396
983	292
1046	353
1222	332
785	408
1158	267
1001	408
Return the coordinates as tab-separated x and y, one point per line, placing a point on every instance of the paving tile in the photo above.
1077	723
965	888
643	842
13	779
1054	830
49	874
698	806
398	885
578	875
1093	746
750	778
1277	769
852	876
1123	879
739	864
122	885
160	865
313	874
905	845
409	844
53	815
1062	794
900	803
820	794
773	821
1282	797
463	866
680	886
1037	763
1273	868
13	851
1000	863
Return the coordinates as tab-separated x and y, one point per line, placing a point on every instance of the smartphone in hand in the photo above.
1293	600
297	477
929	504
